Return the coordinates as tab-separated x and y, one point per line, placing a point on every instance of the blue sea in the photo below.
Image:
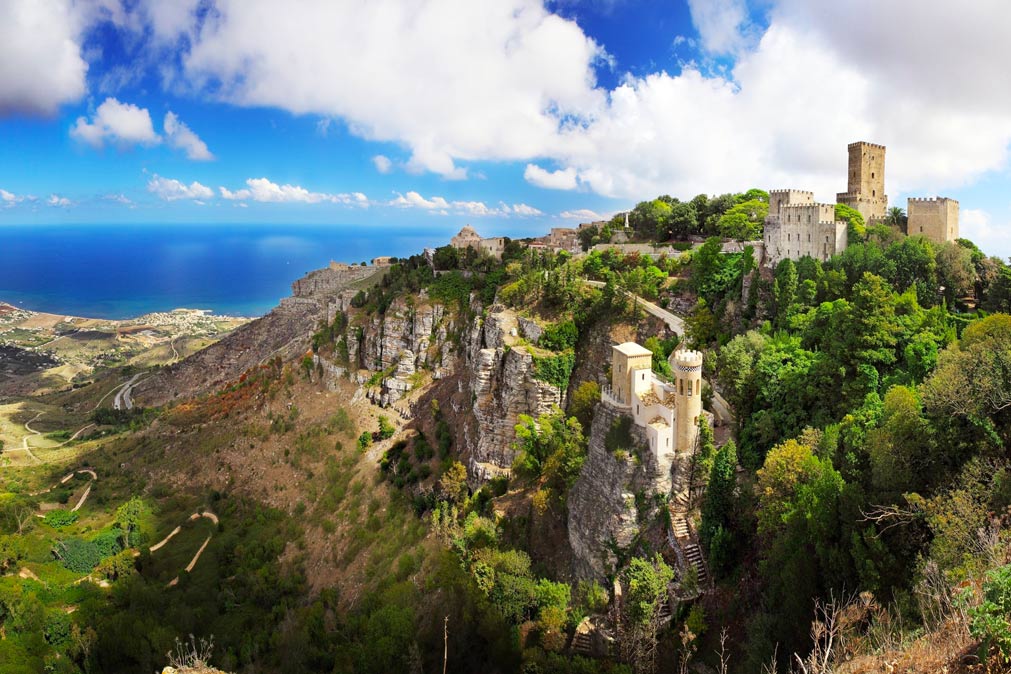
123	271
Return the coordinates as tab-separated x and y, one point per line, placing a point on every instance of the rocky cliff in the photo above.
603	510
500	376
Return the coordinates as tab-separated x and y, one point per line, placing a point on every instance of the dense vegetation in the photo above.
871	393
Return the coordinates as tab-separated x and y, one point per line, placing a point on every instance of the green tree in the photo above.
453	483
130	518
744	221
856	226
646	582
785	290
718	507
552	448
583	401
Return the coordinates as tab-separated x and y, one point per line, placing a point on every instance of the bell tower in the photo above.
688	398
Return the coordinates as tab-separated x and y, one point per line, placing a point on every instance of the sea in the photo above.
123	271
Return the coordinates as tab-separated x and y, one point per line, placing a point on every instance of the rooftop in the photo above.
632	349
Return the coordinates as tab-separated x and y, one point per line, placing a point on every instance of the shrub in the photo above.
556	369
58	519
386	429
559	336
989	621
78	555
364	441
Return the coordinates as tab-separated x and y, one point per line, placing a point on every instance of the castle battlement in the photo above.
688	360
864	143
790	191
936	200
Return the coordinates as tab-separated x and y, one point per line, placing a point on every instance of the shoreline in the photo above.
7	307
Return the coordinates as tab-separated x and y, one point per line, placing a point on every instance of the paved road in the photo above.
673	321
721	408
123	401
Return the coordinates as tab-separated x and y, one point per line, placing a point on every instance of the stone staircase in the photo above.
581	643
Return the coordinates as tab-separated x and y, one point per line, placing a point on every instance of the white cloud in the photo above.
724	25
525	211
58	201
263	190
9	199
382	163
170	189
562	179
441	206
415	200
584	214
524	67
115	122
119	199
181	137
41	66
977	226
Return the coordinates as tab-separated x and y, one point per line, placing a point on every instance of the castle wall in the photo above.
803	229
780	198
936	219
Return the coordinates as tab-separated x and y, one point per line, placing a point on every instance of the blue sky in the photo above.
513	115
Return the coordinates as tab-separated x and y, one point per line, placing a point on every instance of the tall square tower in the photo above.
866	181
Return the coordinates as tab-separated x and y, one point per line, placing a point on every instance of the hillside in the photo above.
425	462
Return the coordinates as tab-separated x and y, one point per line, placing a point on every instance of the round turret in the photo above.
688	382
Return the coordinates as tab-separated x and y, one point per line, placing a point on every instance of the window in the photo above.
698	386
637	408
872	174
809	237
874	193
689	387
668	442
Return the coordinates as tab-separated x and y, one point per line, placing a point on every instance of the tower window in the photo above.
872	174
874	193
689	387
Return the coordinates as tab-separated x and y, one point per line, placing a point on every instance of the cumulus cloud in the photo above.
263	190
562	179
382	163
9	199
501	102
118	123
977	225
58	201
822	74
525	210
170	189
475	208
584	214
41	66
181	137
724	26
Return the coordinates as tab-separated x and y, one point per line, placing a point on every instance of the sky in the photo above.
511	115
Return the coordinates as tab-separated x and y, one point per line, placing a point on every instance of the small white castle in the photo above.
669	411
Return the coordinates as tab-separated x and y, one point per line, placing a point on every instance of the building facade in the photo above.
797	226
468	237
936	219
669	411
865	190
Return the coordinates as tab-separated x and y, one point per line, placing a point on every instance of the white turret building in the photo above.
669	411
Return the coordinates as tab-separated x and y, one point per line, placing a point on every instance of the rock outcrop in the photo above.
502	386
603	515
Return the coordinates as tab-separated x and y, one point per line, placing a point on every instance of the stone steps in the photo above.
581	643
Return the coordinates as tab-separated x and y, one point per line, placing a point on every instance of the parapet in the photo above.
789	191
688	360
865	143
931	200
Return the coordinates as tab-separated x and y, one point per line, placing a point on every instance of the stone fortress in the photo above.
668	411
469	238
866	188
797	226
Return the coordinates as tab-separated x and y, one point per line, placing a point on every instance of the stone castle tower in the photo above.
866	181
688	398
936	219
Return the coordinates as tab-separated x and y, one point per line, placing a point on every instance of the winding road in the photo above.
193	562
123	401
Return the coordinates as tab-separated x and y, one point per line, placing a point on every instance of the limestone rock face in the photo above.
602	508
502	387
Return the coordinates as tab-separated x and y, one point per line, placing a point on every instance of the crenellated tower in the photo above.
688	398
866	181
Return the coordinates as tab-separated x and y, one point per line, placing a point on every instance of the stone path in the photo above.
673	321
